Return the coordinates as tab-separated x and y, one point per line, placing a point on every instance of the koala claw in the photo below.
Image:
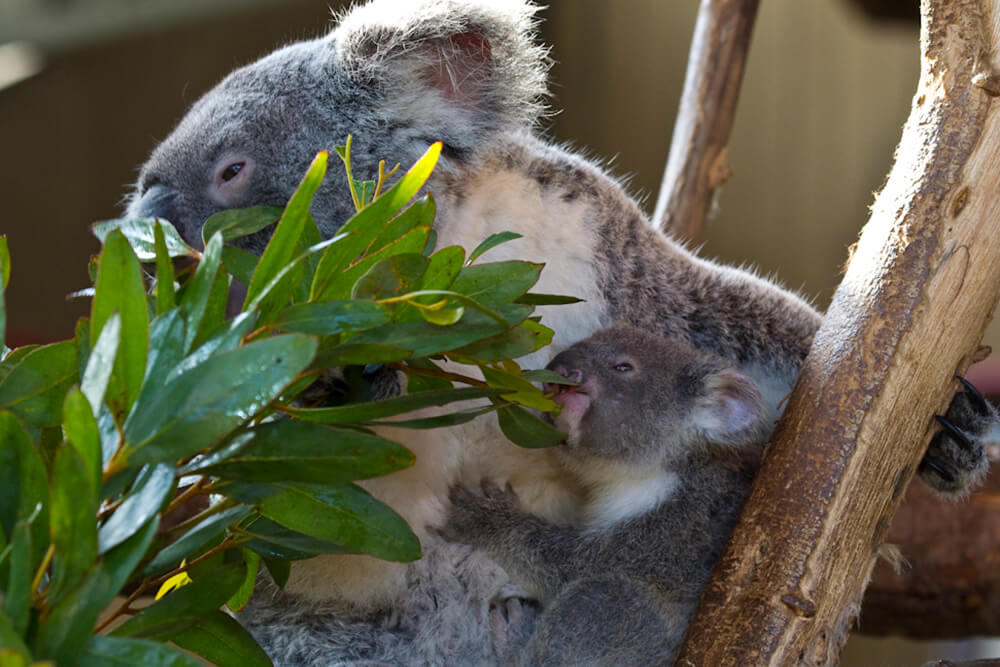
956	459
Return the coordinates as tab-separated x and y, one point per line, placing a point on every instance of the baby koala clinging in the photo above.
665	440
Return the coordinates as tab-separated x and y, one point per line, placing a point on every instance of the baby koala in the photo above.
665	440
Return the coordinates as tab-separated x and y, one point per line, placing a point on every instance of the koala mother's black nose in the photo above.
162	201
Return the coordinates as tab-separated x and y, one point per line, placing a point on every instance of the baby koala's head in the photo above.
645	399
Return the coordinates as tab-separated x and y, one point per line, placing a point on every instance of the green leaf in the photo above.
523	339
239	263
166	350
141	235
291	450
10	641
238	222
117	652
439	421
221	640
100	364
120	288
497	282
532	299
203	404
205	533
425	339
416	383
227	339
359	354
151	488
196	296
4	262
81	342
545	375
24	491
36	383
185	606
279	570
366	412
67	628
73	498
342	285
344	514
491	242
243	593
17	592
274	541
444	266
332	317
165	297
282	246
215	308
120	562
366	224
524	392
391	277
526	430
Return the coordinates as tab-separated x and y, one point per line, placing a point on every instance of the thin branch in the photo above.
697	164
907	318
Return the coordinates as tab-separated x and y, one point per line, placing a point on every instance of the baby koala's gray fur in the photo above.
398	75
665	440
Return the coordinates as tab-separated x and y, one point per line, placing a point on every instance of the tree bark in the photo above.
697	164
951	587
907	318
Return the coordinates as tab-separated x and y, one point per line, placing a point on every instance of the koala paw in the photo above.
955	461
512	621
470	514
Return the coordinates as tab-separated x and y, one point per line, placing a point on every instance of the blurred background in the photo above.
87	88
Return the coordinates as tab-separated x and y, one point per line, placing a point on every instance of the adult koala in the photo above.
398	75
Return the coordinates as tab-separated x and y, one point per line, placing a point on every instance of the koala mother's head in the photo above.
398	75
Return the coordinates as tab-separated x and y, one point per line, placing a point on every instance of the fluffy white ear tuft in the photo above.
731	409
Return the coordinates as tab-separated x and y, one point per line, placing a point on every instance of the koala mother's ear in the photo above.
731	409
462	70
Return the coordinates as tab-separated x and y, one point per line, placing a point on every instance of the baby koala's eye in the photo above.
230	172
624	367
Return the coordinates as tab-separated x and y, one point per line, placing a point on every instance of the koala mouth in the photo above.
575	402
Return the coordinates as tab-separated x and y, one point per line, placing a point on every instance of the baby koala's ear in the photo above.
730	409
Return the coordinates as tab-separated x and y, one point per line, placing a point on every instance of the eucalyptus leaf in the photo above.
391	277
67	628
24	490
282	246
17	591
533	299
497	282
11	643
185	606
242	595
120	288
204	533
199	290
220	639
141	235
100	363
165	297
341	286
491	242
366	412
73	506
292	450
204	403
526	430
523	339
239	263
343	514
120	562
332	317
4	262
117	652
277	544
151	488
239	222
36	383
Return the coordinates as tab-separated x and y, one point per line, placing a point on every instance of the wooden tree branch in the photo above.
697	164
910	312
951	588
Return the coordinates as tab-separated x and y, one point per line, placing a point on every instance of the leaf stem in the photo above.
46	561
437	373
190	492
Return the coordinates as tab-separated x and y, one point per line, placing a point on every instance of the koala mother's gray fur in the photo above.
399	75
